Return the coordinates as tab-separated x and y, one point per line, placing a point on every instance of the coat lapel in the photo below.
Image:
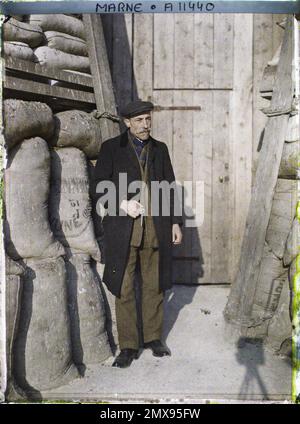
129	154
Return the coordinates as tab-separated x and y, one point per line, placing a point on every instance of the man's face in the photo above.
140	125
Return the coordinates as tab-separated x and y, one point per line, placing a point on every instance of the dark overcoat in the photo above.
117	156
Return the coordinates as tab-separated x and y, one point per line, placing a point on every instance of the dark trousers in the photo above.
151	299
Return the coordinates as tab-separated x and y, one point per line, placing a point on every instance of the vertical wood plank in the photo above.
122	57
103	87
143	55
220	187
202	171
107	22
223	50
162	122
278	32
262	53
241	142
183	167
164	51
184	51
203	51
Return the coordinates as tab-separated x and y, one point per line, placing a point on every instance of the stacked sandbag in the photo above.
66	43
27	182
31	34
26	119
59	22
20	38
271	279
87	311
13	293
57	59
290	161
72	224
70	204
271	300
282	215
42	348
65	47
292	247
18	50
79	129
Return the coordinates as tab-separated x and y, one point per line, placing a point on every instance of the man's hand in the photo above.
176	234
132	208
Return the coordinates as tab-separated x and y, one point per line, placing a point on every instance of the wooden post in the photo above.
239	306
103	88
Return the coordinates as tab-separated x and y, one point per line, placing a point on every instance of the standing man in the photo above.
133	235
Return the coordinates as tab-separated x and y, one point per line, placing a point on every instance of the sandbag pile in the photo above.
30	119
72	224
54	40
70	203
272	307
78	129
42	348
65	46
14	270
42	356
20	38
87	311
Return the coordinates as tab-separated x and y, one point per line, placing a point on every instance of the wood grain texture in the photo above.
202	172
164	51
203	51
184	51
223	50
122	58
103	88
220	187
183	168
262	53
240	142
143	55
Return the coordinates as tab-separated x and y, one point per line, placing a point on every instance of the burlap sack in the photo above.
42	349
14	30
290	160
282	215
27	182
24	119
61	23
18	50
66	43
60	60
70	203
78	129
12	304
280	326
87	312
292	248
271	279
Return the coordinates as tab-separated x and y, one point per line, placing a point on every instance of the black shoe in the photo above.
125	357
158	349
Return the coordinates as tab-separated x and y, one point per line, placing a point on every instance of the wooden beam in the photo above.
239	306
104	94
35	69
48	91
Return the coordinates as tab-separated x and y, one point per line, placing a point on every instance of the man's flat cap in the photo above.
135	108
